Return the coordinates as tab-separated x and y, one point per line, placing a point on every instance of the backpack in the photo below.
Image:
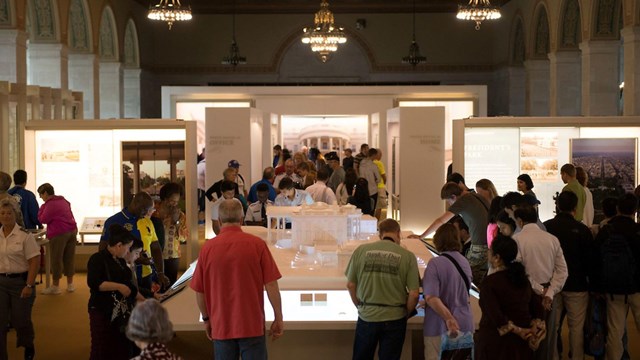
618	264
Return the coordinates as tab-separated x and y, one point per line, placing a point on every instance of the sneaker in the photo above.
51	290
71	288
29	353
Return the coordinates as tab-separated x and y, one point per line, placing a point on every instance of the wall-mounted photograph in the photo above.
610	165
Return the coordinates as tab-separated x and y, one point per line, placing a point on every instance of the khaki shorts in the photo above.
382	199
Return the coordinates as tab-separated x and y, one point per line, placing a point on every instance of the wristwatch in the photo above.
30	286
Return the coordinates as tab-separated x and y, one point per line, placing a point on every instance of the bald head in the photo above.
231	212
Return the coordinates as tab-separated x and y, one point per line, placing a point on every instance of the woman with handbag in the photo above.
446	284
113	295
511	325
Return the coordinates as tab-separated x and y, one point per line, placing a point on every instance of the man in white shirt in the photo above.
542	257
228	189
290	196
319	191
369	171
289	172
257	211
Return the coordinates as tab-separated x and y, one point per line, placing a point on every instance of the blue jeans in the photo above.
252	348
389	335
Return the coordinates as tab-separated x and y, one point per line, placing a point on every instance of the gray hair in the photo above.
5	181
10	202
231	212
149	322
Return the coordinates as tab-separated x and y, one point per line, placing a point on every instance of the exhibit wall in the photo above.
500	149
83	162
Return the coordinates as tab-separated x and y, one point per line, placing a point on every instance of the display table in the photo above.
91	226
315	303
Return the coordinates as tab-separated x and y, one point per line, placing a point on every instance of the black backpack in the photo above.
618	264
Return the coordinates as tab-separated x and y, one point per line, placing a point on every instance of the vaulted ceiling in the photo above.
311	6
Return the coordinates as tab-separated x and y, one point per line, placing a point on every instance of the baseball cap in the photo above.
331	156
233	164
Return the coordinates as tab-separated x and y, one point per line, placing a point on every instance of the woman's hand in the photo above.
124	290
452	327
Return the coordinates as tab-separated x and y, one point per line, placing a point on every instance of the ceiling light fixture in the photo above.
324	37
234	58
478	11
414	58
169	11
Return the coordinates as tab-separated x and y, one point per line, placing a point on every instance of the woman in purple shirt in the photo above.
447	308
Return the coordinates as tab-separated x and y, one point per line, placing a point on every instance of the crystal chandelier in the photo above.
324	37
234	58
414	58
169	11
478	11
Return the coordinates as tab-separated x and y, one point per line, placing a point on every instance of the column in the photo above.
537	87
132	93
565	83
48	65
631	93
600	88
84	76
319	143
330	143
13	56
111	90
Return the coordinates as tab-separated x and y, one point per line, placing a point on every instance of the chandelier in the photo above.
169	11
324	37
478	11
414	58
234	58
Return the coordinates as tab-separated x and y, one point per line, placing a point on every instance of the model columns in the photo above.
631	93
537	87
85	77
48	65
565	87
600	89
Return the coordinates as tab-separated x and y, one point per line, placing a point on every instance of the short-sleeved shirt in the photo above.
215	208
253	191
320	192
294	177
575	187
300	197
382	172
475	213
336	178
383	271
124	218
254	212
232	270
28	206
147	235
16	249
442	279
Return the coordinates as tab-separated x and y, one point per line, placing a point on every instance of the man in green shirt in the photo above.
383	281
568	175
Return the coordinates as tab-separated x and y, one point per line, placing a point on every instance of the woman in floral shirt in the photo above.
175	227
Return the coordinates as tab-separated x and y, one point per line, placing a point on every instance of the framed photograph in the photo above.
539	155
610	165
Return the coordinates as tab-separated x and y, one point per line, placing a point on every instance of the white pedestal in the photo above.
132	93
48	65
537	87
600	88
111	90
13	56
565	81
84	76
631	92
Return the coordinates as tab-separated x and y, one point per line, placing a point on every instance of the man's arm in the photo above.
436	224
202	306
352	287
156	254
441	309
560	273
273	293
412	300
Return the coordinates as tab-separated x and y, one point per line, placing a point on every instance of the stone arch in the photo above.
540	46
606	19
80	34
293	44
7	14
45	25
570	34
108	39
131	47
518	44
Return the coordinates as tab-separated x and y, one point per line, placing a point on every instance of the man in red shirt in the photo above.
233	270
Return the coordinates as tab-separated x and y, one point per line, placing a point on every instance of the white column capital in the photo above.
568	57
600	46
630	33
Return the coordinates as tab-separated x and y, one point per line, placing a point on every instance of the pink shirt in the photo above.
492	232
232	270
56	213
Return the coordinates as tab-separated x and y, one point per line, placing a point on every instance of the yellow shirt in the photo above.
147	235
380	166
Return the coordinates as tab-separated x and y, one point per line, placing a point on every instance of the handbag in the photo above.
595	326
457	348
121	310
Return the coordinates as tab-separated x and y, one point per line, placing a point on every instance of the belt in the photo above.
14	275
381	305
